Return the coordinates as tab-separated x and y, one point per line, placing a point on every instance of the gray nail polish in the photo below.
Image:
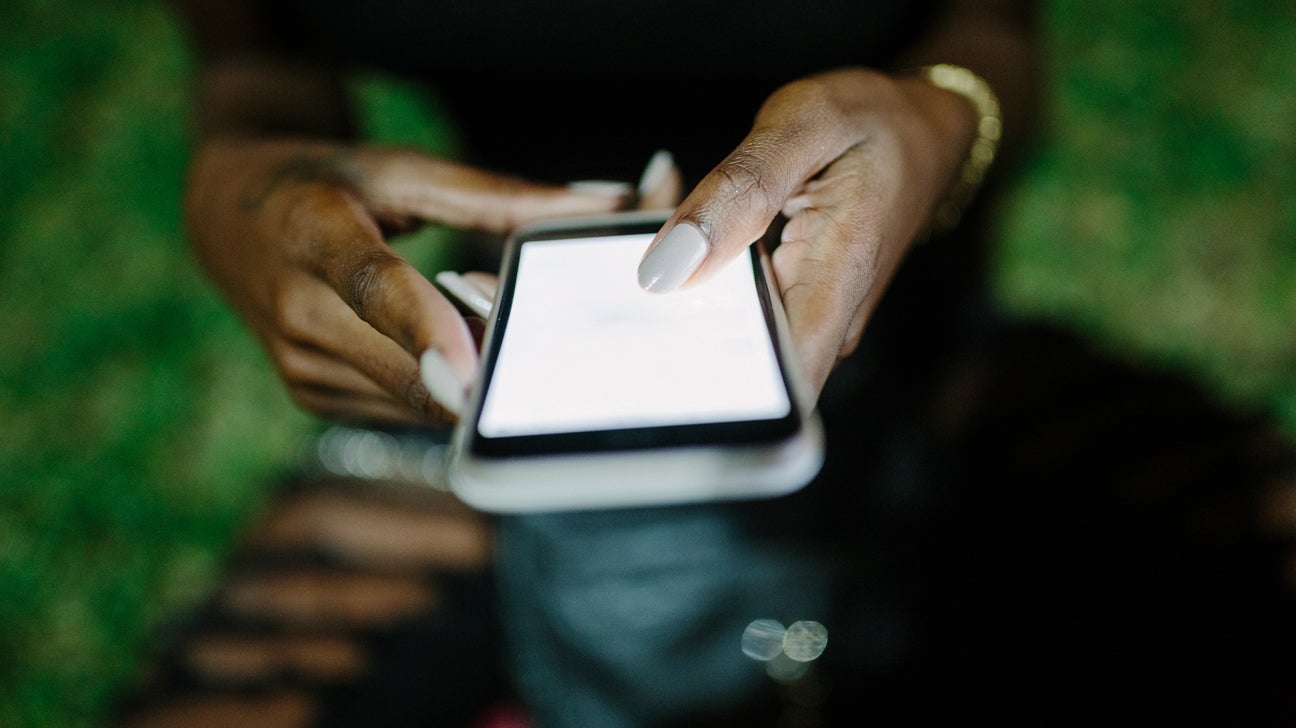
442	382
600	188
673	259
658	167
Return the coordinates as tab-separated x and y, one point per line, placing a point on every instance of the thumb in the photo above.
735	203
408	183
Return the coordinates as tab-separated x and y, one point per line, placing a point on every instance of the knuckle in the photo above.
280	354
803	105
292	366
415	394
743	180
798	94
286	314
364	280
311	204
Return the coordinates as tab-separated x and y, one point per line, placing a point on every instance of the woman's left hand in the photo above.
857	161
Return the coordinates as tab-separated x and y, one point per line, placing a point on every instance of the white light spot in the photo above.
805	640
763	640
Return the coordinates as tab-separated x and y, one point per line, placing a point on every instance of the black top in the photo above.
591	90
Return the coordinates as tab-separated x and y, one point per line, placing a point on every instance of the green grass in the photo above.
1160	215
140	424
139	420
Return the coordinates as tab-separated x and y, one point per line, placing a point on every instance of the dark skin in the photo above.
288	215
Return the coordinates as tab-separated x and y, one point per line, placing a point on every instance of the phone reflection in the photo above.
664	616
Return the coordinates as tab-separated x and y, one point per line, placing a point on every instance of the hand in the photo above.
857	162
292	232
660	188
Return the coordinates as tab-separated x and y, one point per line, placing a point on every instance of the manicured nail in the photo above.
656	170
600	188
673	259
442	382
466	293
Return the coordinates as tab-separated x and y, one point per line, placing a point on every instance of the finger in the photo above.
308	366
477	326
485	283
392	297
813	287
795	136
463	293
409	183
661	186
312	317
831	265
329	387
346	407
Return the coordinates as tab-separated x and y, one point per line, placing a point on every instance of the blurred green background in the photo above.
140	425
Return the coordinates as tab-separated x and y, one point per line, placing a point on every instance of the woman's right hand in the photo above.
292	233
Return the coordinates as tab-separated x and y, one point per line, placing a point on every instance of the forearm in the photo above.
262	95
249	86
997	40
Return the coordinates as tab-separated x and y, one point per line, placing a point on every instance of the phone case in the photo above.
629	478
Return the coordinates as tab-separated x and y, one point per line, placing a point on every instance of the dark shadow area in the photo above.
1106	549
1095	547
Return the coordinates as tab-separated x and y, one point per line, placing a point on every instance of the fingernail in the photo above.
459	288
656	170
442	382
600	188
673	259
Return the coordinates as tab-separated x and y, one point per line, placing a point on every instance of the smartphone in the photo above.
594	393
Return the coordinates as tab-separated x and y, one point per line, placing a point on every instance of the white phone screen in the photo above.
586	349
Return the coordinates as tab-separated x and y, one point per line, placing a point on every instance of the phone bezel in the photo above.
631	474
657	437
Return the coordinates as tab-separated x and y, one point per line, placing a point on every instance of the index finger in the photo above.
794	137
439	190
346	250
